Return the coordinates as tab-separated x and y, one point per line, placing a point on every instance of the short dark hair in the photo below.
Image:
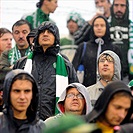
21	22
4	31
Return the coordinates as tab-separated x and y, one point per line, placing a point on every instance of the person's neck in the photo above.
23	47
105	81
45	10
20	115
107	14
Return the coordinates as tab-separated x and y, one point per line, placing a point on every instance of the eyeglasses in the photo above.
71	95
105	57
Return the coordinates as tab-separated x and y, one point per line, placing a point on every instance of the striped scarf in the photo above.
61	75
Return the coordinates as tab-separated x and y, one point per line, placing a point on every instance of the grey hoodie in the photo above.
96	89
82	89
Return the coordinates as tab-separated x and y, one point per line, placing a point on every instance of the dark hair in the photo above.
21	22
39	4
4	31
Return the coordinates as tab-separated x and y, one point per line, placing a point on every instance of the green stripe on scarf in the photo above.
61	78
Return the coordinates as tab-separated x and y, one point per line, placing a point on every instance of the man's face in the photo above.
46	39
103	3
72	27
21	96
74	104
99	27
20	33
6	42
106	67
117	110
119	8
50	5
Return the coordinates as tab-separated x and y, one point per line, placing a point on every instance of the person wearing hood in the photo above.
52	70
74	100
121	29
44	8
100	41
20	96
108	70
113	107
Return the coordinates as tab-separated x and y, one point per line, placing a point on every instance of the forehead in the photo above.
99	20
119	1
21	27
72	89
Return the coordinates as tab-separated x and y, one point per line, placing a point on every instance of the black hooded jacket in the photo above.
119	30
44	72
90	56
104	99
8	124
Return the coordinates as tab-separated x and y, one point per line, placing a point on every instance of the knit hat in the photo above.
76	17
70	124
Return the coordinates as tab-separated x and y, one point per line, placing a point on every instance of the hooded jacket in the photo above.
82	89
96	89
7	122
91	53
101	104
44	71
121	34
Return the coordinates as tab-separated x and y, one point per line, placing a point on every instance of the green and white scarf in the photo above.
61	75
14	54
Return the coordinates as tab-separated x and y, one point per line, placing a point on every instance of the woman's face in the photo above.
99	27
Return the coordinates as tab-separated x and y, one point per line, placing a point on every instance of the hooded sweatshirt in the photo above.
96	89
93	48
102	102
121	35
8	124
81	89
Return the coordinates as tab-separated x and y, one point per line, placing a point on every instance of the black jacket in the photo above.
90	57
8	124
44	72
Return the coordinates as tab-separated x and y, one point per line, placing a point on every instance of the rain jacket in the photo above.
90	57
44	71
101	104
7	122
96	89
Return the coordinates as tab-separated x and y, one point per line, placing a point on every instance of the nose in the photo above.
21	35
122	114
22	95
105	62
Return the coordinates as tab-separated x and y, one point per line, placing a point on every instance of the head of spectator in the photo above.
103	7
113	107
100	33
70	124
5	39
20	30
47	37
48	6
75	100
109	67
20	96
74	22
120	12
